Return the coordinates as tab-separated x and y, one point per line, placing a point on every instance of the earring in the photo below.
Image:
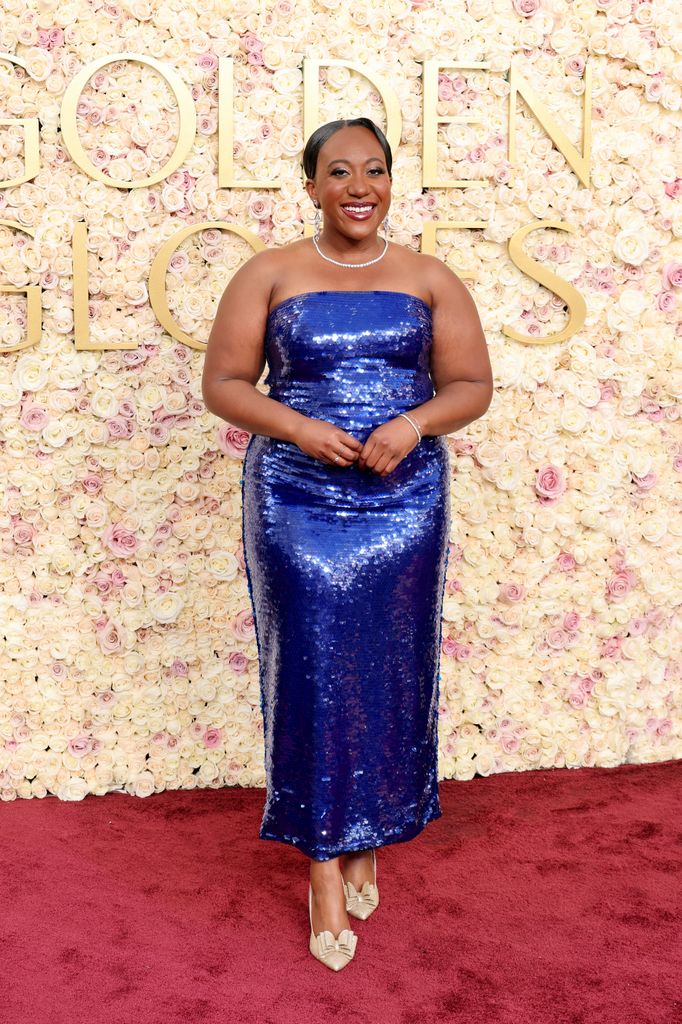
317	223
387	227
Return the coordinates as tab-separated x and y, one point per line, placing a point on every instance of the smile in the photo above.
358	211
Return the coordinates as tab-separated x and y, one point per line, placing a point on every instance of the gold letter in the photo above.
157	276
429	229
576	304
186	112
33	304
81	319
311	112
226	131
30	128
579	162
431	121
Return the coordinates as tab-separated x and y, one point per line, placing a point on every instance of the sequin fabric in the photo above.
346	574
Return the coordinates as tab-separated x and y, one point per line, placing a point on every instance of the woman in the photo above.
346	514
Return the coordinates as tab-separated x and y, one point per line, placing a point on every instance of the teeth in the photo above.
358	209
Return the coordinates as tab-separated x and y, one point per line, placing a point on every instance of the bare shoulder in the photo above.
256	279
428	275
443	282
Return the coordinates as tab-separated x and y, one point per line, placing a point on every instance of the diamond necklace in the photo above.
338	262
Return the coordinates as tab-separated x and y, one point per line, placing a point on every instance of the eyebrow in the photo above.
340	160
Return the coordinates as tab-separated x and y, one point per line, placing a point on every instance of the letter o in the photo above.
157	274
186	110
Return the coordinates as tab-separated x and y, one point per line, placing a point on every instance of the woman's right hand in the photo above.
327	442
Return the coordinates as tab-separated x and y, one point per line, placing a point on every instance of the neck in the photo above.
342	247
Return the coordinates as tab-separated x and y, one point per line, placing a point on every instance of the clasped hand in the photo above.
383	450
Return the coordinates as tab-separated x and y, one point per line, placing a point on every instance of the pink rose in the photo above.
109	637
673	189
233	440
91	484
610	648
213	737
445	88
207	61
238	662
102	582
511	593
23	533
666	301
575	65
638	626
550	483
571	621
120	540
526	8
461	446
119	427
645	483
659	726
566	561
620	584
672	274
158	434
34	417
243	625
79	746
557	638
509	742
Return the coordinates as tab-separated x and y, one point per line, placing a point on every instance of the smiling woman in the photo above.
346	516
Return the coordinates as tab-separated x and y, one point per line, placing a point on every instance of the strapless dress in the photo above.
346	574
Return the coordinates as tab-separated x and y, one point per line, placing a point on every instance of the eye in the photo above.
379	170
338	170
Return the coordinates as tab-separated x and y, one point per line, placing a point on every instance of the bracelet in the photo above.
414	424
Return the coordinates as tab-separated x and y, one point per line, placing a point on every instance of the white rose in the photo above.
143	785
31	373
166	607
55	433
72	788
633	302
631	247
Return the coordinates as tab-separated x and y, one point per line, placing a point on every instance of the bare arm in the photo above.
235	356
460	366
234	363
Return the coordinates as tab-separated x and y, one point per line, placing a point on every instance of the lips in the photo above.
359	211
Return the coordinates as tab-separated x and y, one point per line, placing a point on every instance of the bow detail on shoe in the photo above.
345	943
363	903
368	893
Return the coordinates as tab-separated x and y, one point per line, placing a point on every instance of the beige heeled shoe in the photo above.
363	903
331	951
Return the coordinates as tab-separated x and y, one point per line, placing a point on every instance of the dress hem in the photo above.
328	853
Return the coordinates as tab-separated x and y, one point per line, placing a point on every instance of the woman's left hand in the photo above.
387	446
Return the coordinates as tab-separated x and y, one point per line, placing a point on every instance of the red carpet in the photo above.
551	897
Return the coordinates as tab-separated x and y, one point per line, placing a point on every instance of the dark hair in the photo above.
325	131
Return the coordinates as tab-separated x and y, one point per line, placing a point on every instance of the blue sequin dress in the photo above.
346	575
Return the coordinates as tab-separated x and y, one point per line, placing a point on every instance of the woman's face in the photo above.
351	182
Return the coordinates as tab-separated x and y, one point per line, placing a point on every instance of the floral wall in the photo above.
128	655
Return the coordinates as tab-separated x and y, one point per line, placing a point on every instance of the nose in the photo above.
357	186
